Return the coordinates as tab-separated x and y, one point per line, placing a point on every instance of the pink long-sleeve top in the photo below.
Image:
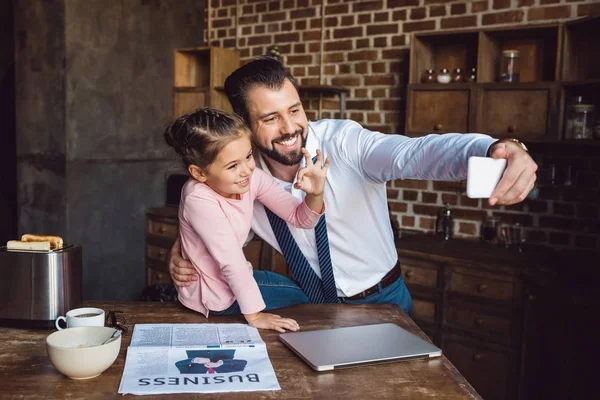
213	230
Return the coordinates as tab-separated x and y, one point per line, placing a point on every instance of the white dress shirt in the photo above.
360	235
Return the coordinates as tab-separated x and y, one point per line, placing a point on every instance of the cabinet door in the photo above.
523	111
438	111
489	369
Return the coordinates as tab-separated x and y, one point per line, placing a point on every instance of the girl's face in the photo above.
229	175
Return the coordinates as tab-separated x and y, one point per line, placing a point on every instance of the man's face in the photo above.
278	122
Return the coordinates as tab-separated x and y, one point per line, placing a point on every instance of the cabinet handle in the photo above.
409	273
161	253
531	297
477	357
511	129
479	321
482	287
162	229
159	277
438	127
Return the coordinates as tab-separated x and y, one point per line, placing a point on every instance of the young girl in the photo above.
215	213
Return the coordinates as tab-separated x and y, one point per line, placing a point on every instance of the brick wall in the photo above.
363	45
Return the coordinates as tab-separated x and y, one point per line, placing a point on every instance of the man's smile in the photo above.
289	141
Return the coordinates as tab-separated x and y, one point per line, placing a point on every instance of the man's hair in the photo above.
264	71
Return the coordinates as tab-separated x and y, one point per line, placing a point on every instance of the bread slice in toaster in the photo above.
56	242
19	245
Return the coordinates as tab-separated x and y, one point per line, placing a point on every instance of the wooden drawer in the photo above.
523	112
488	369
417	272
157	253
424	310
501	288
161	228
155	276
480	321
438	111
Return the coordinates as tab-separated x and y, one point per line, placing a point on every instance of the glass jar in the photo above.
581	121
509	66
458	76
444	76
489	230
472	75
428	76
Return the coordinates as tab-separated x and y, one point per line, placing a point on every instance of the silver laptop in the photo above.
329	349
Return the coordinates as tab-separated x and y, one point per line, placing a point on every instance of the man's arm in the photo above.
435	157
181	270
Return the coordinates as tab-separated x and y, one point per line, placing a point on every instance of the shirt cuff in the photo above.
482	146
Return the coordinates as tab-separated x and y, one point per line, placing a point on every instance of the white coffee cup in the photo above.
87	316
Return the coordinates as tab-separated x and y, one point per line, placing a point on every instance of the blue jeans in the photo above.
396	293
277	291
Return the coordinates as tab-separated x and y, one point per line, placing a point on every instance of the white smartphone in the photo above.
483	174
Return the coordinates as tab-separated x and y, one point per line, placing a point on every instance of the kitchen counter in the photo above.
538	265
26	371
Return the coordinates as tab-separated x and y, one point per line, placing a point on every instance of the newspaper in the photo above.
196	358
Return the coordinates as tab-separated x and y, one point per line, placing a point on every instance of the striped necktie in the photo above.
317	290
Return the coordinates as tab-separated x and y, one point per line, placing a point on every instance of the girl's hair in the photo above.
200	136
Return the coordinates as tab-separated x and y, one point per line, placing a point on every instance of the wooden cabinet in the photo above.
470	305
199	76
161	232
528	109
516	325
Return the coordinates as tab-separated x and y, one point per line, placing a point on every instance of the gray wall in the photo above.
8	150
93	98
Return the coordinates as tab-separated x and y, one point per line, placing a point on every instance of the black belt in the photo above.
389	278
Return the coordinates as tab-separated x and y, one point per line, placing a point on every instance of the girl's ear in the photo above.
197	173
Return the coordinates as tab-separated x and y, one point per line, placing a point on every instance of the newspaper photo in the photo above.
196	358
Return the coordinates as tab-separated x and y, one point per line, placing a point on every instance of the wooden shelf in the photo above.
198	73
475	85
443	86
327	90
324	89
558	61
581	59
588	82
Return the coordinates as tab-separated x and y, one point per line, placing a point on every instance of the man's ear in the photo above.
197	173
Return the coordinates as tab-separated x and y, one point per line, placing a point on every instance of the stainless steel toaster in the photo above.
36	287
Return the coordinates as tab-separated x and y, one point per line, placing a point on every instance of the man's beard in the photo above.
290	159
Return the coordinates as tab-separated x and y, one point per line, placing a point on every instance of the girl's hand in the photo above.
311	178
271	321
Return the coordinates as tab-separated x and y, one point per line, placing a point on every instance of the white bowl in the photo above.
79	353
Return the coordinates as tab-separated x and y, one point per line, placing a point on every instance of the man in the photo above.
363	256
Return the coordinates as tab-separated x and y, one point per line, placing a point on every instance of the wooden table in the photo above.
26	371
